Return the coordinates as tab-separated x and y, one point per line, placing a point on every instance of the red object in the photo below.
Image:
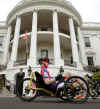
44	63
26	36
80	96
42	73
46	60
44	66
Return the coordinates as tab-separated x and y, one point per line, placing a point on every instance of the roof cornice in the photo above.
63	3
91	26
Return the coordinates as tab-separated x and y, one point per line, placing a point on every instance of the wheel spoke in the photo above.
76	89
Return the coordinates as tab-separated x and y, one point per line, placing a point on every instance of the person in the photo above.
8	85
46	74
19	86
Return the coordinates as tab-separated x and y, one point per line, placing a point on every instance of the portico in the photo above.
51	30
55	34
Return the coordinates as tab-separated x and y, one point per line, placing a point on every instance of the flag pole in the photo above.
26	45
26	50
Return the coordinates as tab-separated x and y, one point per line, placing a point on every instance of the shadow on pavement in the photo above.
58	101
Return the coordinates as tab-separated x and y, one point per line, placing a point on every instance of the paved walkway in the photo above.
6	93
46	103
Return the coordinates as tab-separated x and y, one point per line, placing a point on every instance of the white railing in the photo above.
67	62
20	62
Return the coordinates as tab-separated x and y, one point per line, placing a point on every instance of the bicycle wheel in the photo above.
62	95
76	89
93	91
27	93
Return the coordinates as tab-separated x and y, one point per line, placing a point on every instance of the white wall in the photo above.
95	42
3	32
94	50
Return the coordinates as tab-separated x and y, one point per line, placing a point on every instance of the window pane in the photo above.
44	29
90	60
87	42
44	53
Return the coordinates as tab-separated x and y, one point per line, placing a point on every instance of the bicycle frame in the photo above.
32	77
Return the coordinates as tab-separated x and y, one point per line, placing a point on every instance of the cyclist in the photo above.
46	74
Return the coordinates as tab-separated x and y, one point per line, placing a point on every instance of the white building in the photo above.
56	30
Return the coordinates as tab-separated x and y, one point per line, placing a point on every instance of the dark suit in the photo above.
19	85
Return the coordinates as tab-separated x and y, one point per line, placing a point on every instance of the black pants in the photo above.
19	88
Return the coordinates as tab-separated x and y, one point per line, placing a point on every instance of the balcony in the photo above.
67	62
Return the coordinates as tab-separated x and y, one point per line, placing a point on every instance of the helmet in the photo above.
46	60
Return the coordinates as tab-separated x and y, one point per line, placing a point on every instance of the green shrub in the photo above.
96	76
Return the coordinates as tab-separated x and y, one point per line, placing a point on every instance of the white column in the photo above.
81	45
33	48
74	44
6	46
57	52
15	42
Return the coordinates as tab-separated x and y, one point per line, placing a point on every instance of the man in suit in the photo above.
19	85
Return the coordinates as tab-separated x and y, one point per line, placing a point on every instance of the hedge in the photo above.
96	76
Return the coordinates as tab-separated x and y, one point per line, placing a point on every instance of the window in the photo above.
90	60
44	29
44	53
1	40
87	42
71	60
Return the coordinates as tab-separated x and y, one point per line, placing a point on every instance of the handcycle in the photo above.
74	89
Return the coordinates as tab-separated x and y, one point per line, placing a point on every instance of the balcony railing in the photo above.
20	62
67	62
